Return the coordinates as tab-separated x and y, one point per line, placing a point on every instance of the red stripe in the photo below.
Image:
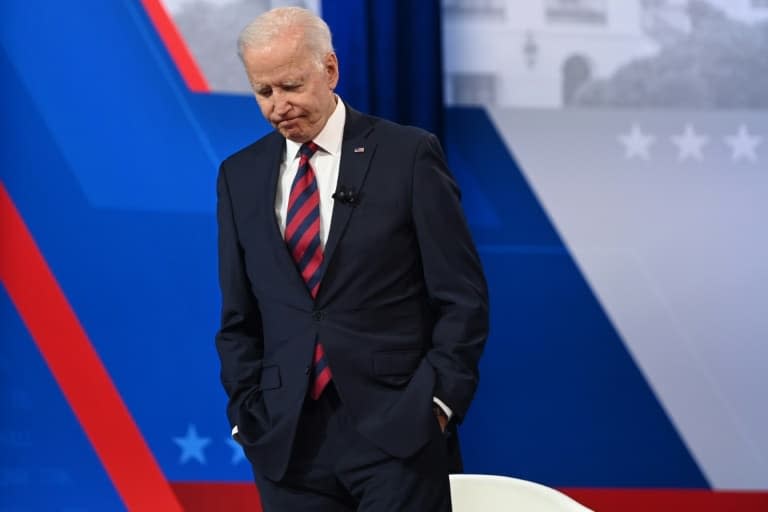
298	188
301	215
319	353
644	500
306	240
313	265
215	496
76	366
175	45
321	381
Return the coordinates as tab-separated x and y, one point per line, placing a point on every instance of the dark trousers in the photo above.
335	469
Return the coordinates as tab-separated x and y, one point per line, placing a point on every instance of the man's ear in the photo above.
331	66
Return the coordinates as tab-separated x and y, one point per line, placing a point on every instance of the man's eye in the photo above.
261	90
291	87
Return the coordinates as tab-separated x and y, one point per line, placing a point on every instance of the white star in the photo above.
237	451
192	446
689	143
636	143
743	145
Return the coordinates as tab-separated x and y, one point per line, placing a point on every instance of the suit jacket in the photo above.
402	309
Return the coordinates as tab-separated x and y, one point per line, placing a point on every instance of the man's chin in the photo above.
294	134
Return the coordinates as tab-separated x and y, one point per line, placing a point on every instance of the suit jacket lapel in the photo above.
356	154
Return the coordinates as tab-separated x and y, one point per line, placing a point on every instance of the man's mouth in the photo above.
286	121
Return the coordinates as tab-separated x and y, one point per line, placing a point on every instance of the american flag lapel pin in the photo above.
359	149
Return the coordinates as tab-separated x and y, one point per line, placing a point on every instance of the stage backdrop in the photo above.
614	164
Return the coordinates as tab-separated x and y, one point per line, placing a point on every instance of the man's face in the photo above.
294	93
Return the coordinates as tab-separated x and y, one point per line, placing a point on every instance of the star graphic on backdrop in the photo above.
743	144
192	446
689	143
237	451
636	143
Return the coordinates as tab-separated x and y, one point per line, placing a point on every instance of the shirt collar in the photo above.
330	137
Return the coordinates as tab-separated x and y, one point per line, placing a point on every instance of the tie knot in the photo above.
308	149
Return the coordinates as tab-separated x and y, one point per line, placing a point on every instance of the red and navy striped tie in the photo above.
302	234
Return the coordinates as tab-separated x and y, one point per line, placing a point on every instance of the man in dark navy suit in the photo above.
354	307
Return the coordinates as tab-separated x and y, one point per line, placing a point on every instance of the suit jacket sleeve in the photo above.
453	277
239	340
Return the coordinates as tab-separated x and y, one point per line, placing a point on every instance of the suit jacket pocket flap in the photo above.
270	377
396	362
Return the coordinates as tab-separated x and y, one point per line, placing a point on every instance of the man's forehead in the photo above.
256	82
291	72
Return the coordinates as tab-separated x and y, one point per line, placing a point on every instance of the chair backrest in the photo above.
491	493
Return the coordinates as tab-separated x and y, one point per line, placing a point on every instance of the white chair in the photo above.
491	493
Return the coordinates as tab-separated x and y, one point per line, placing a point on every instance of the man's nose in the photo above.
282	105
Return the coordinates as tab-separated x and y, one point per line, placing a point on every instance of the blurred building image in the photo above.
538	53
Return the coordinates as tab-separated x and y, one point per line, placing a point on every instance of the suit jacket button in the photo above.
307	370
317	316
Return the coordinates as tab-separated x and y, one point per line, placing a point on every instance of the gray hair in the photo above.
267	26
